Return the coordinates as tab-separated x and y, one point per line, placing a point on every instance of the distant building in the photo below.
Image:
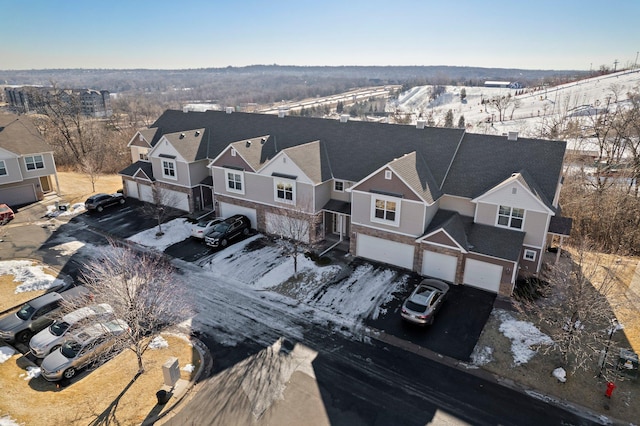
505	84
26	99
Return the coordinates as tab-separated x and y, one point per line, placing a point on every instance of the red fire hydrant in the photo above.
610	387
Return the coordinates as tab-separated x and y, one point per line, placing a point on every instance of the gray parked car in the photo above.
50	339
89	345
35	315
425	301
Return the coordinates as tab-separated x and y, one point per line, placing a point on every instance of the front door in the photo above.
340	224
45	184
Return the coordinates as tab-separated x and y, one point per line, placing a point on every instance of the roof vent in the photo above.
512	136
420	124
262	141
197	132
229	110
181	135
344	118
248	144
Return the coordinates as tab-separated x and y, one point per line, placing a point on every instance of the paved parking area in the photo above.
457	326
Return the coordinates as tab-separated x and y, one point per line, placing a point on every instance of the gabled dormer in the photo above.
516	203
401	194
141	144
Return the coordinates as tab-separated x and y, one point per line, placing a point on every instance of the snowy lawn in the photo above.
27	276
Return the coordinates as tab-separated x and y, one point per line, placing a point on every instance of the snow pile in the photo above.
73	209
32	373
188	368
481	355
32	277
560	374
6	352
158	342
173	231
523	336
8	421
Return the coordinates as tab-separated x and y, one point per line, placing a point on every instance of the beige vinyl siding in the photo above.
49	166
324	193
535	225
464	206
198	171
14	171
411	215
486	214
182	172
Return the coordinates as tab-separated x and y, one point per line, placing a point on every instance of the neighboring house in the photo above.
27	168
465	208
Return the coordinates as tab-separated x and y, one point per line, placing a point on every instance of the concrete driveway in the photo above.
457	326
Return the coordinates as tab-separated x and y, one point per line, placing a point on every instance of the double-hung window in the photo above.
385	210
235	181
285	191
510	217
3	168
34	162
169	169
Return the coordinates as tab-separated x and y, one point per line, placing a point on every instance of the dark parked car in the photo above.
35	315
425	301
229	229
99	202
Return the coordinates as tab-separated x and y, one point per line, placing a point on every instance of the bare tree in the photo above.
574	309
143	291
163	203
293	226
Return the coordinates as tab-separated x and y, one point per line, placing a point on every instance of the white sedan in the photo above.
202	228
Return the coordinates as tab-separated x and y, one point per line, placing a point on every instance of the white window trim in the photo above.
529	252
4	166
373	218
226	179
511	217
387	174
175	169
278	180
233	152
33	157
344	185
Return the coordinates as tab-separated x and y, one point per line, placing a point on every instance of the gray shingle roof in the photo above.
472	164
19	135
189	144
413	170
132	169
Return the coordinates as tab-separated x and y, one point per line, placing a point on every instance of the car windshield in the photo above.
203	224
25	312
415	307
221	227
58	328
70	349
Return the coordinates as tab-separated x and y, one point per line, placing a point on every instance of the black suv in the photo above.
99	201
229	229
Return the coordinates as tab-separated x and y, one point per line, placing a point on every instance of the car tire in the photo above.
99	209
24	336
224	242
69	373
245	231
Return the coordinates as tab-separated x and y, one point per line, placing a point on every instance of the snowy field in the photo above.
535	108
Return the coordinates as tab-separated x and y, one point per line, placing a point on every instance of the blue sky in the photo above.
534	34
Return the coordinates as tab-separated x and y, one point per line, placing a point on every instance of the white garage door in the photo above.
146	193
482	275
226	210
385	251
287	227
439	265
17	195
132	189
175	199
